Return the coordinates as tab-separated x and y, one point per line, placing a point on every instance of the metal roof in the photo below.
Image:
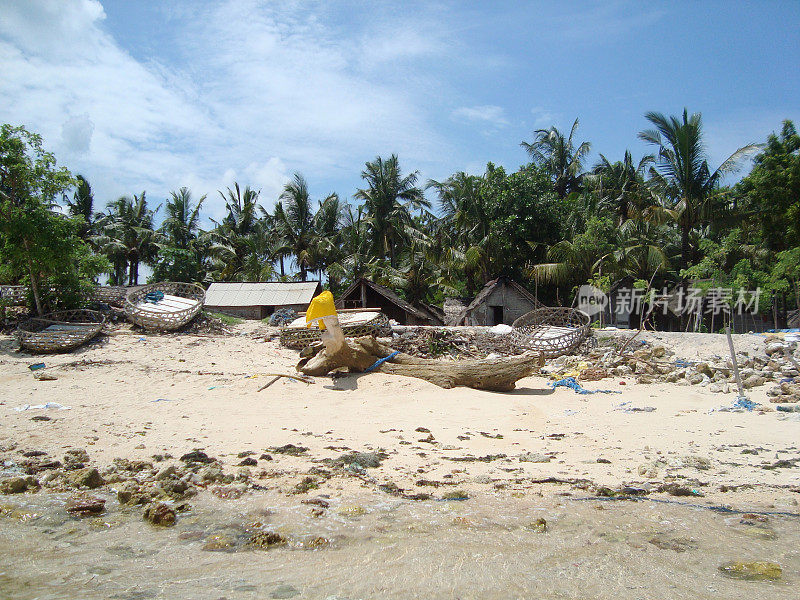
268	293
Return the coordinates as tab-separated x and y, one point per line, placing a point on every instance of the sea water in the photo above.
378	546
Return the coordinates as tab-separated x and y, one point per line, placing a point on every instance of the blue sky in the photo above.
156	95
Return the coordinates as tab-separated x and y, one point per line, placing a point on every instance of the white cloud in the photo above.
258	92
76	134
487	114
542	118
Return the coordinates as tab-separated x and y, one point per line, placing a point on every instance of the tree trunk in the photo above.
37	299
499	375
281	262
684	247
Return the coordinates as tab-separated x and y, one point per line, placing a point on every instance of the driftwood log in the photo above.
357	355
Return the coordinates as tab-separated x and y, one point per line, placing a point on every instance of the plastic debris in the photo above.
282	316
380	361
573	384
626	407
741	404
501	329
49	405
36	366
154	297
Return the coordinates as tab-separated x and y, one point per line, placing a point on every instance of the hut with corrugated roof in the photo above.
258	300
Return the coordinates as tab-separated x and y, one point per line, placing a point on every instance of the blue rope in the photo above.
572	383
380	361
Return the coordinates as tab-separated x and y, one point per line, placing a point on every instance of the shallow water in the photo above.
479	548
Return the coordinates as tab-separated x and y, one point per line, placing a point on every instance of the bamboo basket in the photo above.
551	331
60	331
181	303
110	294
297	335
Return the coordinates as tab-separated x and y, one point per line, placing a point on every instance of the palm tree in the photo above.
388	200
279	249
127	236
182	220
182	254
82	204
297	223
327	249
231	238
621	186
682	175
356	259
642	249
464	235
551	150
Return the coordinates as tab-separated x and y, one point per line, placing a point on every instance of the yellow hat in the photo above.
321	306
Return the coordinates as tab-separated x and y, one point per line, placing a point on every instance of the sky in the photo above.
155	95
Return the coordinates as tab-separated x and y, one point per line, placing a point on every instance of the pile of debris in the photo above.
656	363
454	343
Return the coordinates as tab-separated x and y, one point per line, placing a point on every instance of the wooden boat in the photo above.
60	331
551	331
354	324
164	306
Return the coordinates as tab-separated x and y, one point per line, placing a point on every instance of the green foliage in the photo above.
523	215
785	274
38	245
682	176
127	237
176	264
549	224
559	157
771	192
228	319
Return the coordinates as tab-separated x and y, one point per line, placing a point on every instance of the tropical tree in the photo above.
295	221
327	249
356	259
37	244
770	193
389	199
82	205
559	156
231	239
180	256
682	174
621	186
574	261
181	219
127	236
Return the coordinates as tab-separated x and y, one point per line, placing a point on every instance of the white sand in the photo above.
211	402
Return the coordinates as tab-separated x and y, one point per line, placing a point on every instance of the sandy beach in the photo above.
137	395
156	397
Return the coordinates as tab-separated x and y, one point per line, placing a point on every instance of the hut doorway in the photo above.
497	315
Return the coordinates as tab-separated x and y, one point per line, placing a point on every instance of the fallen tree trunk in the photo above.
357	355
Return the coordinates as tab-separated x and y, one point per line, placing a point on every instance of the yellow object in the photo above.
321	306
